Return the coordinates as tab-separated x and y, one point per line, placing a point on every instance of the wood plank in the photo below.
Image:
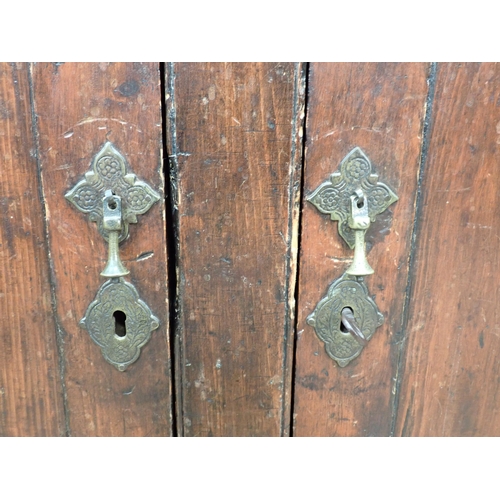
31	399
380	108
234	146
451	384
79	108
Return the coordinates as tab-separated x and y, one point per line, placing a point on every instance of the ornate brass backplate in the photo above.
334	195
109	171
117	320
116	295
346	292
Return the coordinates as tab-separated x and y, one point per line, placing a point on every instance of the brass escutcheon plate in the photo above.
326	318
117	295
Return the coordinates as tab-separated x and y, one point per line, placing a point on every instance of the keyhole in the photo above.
120	323
112	204
342	327
360	202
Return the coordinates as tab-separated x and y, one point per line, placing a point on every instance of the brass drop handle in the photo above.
112	221
359	220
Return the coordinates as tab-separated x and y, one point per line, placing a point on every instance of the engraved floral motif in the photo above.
139	199
379	197
109	171
119	295
86	197
109	167
358	168
333	196
329	199
343	348
326	318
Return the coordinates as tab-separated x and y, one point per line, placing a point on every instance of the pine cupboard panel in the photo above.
78	108
381	109
31	396
234	145
244	245
451	377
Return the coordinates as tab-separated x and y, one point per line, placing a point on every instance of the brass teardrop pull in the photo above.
359	221
113	222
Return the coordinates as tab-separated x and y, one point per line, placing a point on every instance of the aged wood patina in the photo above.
237	280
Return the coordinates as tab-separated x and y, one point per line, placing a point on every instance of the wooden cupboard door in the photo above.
379	108
450	375
79	107
432	133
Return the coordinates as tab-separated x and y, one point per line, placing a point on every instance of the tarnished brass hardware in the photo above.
359	221
117	320
109	171
330	316
113	223
354	197
120	348
333	196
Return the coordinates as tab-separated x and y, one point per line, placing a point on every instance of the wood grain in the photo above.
234	146
31	399
380	108
79	107
451	383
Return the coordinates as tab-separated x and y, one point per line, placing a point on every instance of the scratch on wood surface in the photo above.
283	238
340	260
179	154
328	134
478	226
448	190
144	256
92	119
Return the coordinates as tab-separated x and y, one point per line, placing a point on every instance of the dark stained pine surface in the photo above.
79	107
31	398
451	381
234	144
248	257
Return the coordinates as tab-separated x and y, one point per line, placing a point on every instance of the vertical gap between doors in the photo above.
302	145
172	247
